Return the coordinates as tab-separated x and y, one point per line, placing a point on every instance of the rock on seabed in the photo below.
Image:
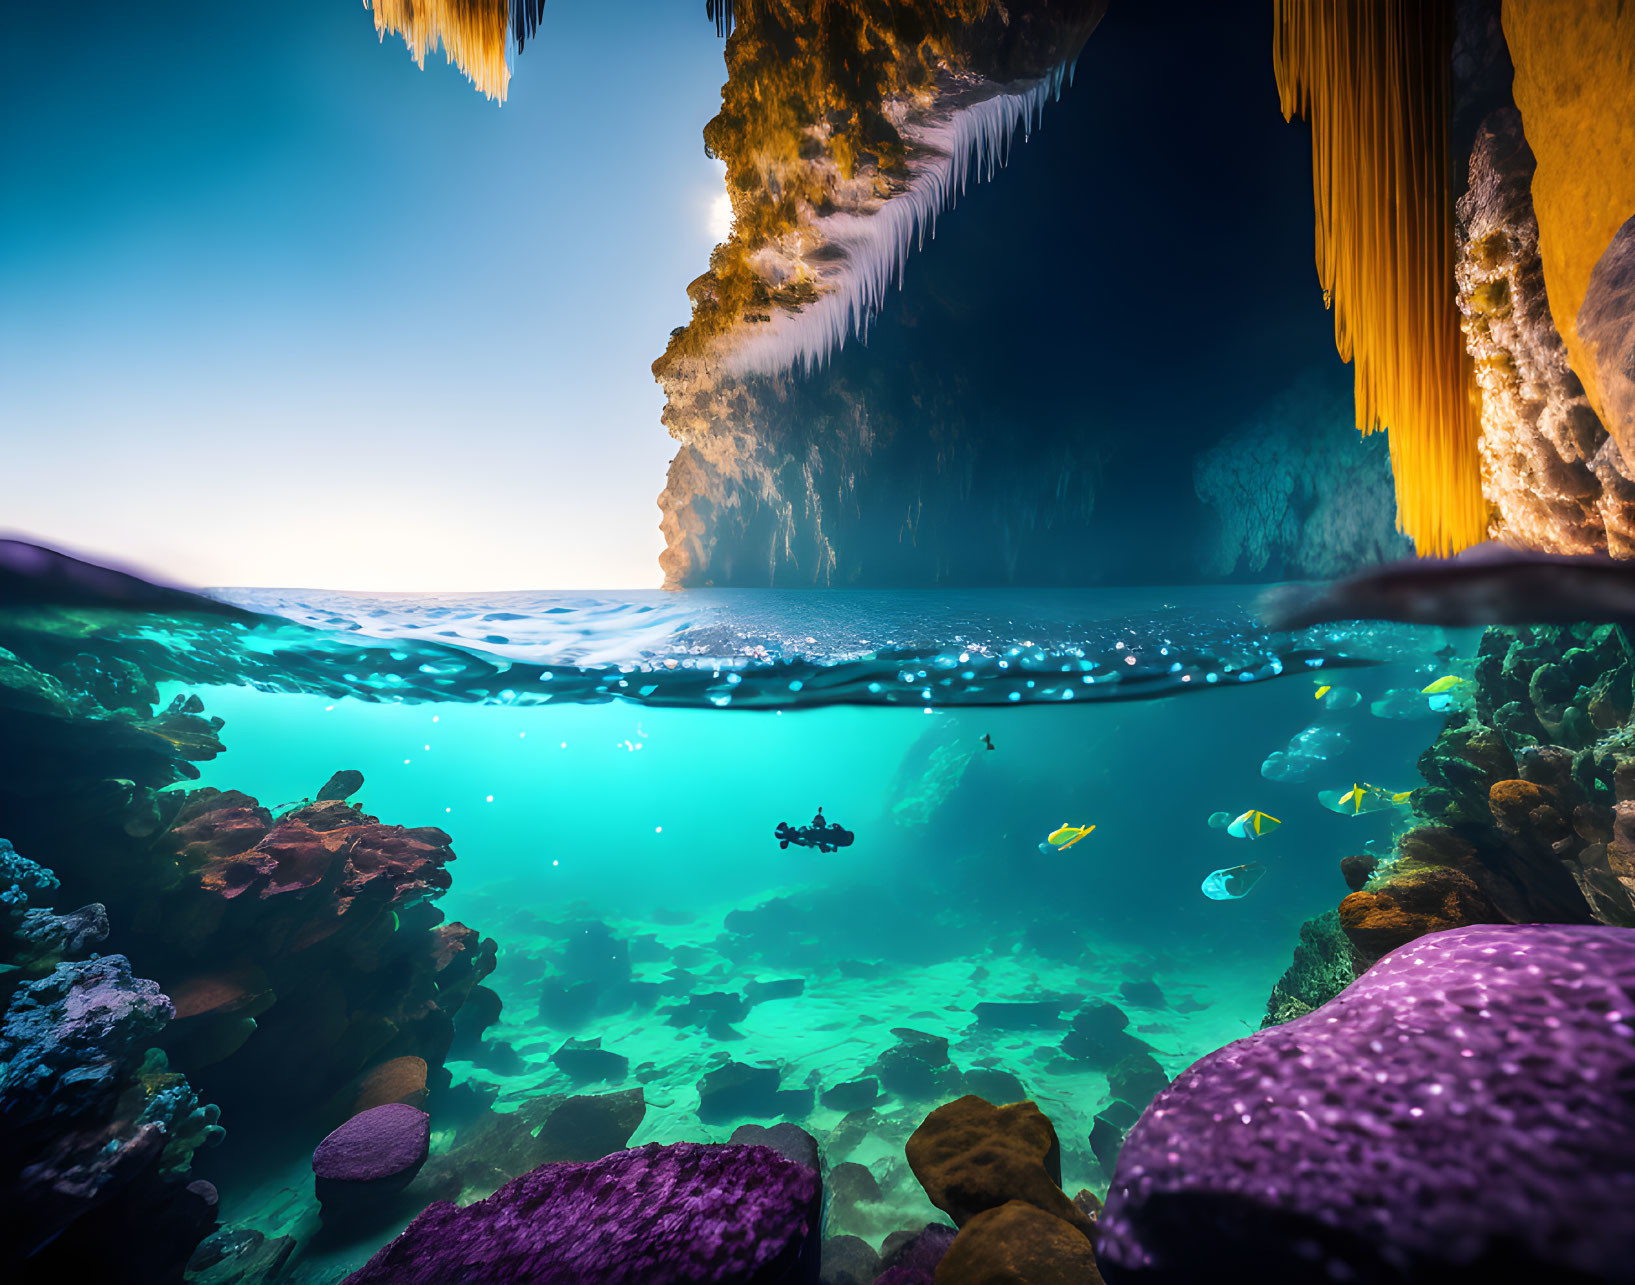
684	1212
1463	1112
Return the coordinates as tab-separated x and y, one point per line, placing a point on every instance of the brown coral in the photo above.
1410	904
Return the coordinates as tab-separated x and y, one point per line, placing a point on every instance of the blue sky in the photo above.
277	307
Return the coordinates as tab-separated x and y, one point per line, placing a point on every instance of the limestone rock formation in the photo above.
844	130
1575	87
1464	1093
1295	494
1556	480
1606	326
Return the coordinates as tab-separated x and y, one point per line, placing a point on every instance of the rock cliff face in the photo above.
845	133
1295	494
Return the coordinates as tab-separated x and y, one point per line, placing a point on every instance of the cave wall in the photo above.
1129	308
1030	407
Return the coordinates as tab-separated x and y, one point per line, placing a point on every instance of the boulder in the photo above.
1357	869
1143	994
917	1066
343	785
1137	1079
736	1090
848	1260
850	1182
911	1257
1018	1243
783	988
853	1095
683	1213
1459	1113
970	1155
590	1127
399	1079
994	1084
1099	1037
586	1060
789	1140
370	1159
1018	1015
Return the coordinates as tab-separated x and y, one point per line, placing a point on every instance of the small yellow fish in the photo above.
1446	683
1354	797
1065	835
1322	692
1252	824
1363	797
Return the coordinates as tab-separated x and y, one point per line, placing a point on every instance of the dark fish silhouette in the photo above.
823	835
987	740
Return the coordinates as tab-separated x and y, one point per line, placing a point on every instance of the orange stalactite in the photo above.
1372	77
475	35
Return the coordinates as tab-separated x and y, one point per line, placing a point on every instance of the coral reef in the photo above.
683	1212
298	966
1528	790
1324	965
1429	1099
99	1133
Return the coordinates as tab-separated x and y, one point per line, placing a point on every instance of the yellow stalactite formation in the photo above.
1372	77
475	35
1575	87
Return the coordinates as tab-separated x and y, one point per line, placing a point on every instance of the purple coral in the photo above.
68	1038
1467	1106
687	1212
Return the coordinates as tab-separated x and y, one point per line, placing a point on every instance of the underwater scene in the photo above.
796	645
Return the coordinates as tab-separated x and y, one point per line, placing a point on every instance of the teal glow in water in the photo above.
582	759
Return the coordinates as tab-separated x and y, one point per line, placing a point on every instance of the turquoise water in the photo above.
582	757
